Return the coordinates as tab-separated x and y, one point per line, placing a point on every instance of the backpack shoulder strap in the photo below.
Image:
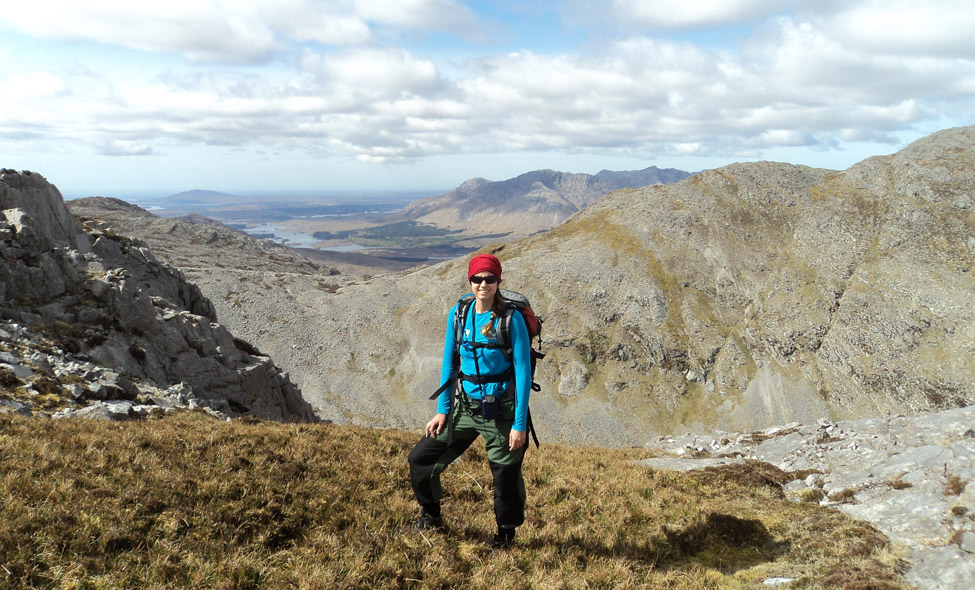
459	319
464	305
504	327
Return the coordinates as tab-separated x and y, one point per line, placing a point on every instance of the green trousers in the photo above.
431	456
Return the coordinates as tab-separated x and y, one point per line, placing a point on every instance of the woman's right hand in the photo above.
436	424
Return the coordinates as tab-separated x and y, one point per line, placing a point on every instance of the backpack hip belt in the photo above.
482	379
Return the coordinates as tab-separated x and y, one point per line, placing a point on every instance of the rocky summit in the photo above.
738	299
91	324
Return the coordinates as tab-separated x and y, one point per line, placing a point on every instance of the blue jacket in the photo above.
490	361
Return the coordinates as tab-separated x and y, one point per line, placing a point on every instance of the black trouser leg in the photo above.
427	460
509	495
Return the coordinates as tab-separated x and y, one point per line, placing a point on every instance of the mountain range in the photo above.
532	202
739	298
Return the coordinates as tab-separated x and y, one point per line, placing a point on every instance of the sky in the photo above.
129	99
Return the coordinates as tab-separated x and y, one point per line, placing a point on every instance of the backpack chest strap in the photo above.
474	344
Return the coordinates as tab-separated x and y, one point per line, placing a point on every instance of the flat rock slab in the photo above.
676	464
913	478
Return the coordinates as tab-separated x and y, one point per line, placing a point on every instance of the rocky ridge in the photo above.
91	324
911	477
193	241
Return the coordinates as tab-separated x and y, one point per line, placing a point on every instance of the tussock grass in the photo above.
188	501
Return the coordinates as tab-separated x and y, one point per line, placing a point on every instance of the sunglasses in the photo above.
490	279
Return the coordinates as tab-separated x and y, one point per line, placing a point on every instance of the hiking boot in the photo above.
503	539
427	521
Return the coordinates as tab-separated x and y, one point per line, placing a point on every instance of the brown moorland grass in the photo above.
191	502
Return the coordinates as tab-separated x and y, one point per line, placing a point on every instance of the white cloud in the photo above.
329	23
796	87
813	64
115	147
636	96
906	27
26	88
239	31
807	79
783	137
693	13
374	73
444	15
201	30
896	27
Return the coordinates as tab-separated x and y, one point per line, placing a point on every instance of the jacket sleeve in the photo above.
521	358
447	368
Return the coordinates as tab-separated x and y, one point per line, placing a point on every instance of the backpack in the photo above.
512	301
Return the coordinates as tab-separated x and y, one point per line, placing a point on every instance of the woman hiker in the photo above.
492	402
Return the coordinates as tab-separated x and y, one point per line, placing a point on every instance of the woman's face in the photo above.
484	285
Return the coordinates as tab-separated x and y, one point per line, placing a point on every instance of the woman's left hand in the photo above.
517	439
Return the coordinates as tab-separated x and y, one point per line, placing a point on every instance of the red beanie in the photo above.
484	263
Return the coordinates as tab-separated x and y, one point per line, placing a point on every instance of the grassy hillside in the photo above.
187	501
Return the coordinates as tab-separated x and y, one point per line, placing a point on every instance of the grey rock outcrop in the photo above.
97	320
911	477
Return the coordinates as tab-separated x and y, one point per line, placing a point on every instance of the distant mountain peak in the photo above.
534	201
